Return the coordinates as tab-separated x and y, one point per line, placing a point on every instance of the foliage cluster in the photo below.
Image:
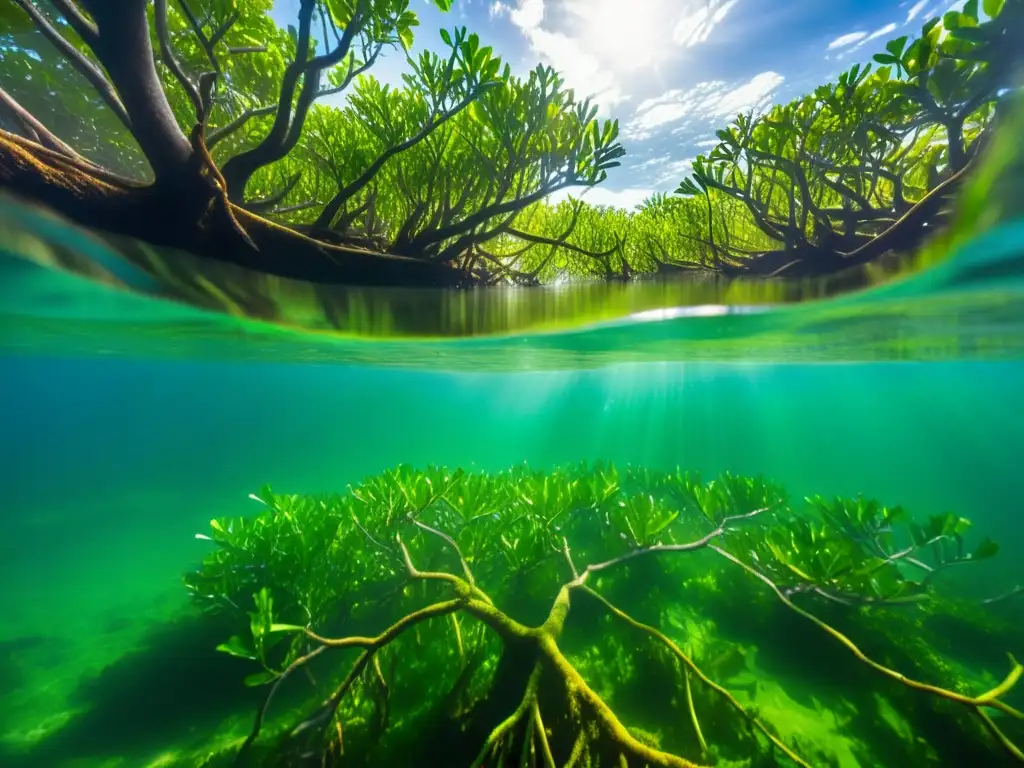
453	166
425	170
860	167
461	558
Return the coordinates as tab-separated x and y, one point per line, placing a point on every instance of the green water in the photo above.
128	424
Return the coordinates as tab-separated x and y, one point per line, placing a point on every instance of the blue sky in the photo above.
671	71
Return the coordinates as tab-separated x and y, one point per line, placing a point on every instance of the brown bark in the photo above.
123	47
188	216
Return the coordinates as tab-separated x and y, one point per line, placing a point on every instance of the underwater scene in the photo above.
412	562
375	395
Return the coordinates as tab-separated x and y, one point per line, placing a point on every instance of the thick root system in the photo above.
188	214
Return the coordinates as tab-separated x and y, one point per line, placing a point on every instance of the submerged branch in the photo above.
700	543
974	703
690	666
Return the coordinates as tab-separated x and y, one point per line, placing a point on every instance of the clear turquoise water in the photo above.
120	440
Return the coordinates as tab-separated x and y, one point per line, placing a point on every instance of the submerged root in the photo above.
599	729
976	704
541	710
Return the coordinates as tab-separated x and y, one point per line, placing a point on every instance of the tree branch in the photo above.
41	134
974	703
560	243
287	127
688	666
500	209
346	193
266	203
168	57
223	29
700	543
82	26
205	43
217	134
78	60
293	208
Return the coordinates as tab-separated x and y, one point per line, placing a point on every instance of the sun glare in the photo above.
625	36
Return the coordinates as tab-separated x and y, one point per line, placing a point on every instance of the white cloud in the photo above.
674	172
654	161
861	39
581	69
599	47
845	40
697	25
528	14
628	198
711	100
914	12
886	30
755	94
708	143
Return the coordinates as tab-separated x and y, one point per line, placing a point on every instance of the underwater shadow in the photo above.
169	690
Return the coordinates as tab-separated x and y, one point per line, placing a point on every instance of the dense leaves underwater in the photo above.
599	616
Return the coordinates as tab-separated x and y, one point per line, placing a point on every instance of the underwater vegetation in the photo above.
200	126
600	616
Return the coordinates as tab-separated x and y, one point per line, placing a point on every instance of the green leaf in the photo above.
286	628
444	5
476	113
656	526
895	47
985	550
970	35
13	20
992	8
236	647
260	678
446	36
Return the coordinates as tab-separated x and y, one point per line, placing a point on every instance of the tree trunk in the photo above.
955	140
169	216
123	47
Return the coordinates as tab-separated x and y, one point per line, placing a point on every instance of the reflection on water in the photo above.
970	306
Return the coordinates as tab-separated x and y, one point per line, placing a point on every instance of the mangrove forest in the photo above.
204	126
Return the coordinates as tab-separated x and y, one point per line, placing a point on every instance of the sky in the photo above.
671	71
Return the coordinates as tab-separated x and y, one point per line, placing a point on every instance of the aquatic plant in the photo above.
456	587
